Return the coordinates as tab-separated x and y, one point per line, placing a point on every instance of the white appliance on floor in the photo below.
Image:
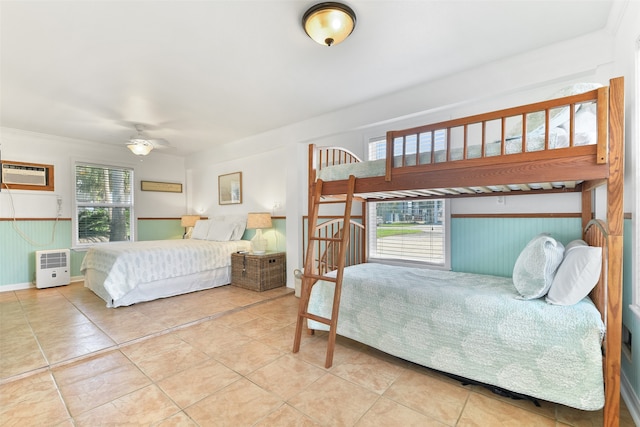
53	268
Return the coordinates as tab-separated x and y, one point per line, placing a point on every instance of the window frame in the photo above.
635	248
76	244
371	221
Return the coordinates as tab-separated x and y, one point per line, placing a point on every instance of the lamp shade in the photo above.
259	220
189	220
140	148
329	23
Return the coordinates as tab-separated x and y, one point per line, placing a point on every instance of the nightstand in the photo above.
258	272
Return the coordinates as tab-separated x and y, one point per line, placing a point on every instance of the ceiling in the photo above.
201	73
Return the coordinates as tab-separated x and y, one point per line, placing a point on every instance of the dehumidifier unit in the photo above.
52	268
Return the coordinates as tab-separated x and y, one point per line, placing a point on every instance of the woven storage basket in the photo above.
258	272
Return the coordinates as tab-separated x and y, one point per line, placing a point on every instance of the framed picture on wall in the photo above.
230	188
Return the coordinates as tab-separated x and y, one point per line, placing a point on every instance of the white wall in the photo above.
18	145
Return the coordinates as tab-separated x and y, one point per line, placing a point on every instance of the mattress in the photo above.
472	326
129	272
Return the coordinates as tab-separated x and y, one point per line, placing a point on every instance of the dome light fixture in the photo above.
140	147
329	23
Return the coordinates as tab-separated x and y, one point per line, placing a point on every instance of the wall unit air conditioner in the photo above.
52	268
22	174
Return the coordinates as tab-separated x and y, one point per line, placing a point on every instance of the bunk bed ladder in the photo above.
312	275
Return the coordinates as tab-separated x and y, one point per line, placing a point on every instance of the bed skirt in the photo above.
94	279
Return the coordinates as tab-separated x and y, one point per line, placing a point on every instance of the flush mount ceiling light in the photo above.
329	23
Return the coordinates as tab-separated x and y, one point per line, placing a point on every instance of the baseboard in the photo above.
630	398
29	285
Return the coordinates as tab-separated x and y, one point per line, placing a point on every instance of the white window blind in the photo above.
104	204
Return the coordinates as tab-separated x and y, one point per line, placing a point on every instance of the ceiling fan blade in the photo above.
159	142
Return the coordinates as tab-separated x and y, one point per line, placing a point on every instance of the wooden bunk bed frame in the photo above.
576	168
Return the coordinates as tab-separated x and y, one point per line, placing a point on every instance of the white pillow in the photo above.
238	229
577	275
536	265
220	231
201	229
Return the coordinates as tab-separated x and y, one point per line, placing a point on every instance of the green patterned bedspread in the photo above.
472	326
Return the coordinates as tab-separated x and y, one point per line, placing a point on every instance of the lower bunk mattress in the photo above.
472	326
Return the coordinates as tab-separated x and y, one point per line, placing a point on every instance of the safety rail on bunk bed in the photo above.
476	153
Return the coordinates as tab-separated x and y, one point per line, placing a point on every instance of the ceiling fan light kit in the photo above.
140	147
329	23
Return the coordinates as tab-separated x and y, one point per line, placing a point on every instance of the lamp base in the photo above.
258	243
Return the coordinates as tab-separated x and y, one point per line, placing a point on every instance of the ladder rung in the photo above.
320	277
318	319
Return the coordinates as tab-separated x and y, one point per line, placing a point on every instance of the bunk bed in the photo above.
569	144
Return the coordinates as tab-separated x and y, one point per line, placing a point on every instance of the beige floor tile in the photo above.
178	420
127	327
287	416
110	380
315	352
431	396
286	376
258	327
18	354
385	413
196	383
578	418
142	407
548	409
282	338
236	318
163	356
239	404
78	340
481	410
248	357
369	371
31	401
334	401
212	338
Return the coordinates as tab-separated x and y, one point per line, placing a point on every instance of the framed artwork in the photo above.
168	187
230	188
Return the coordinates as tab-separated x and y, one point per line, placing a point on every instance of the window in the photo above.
103	203
413	231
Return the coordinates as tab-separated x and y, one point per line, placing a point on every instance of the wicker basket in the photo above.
258	272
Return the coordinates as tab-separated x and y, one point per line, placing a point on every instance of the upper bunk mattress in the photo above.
473	326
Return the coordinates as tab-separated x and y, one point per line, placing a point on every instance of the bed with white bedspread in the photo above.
125	273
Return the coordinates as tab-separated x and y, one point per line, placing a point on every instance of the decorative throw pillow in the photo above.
536	265
577	275
201	229
220	231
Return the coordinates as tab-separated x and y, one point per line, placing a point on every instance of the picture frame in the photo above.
167	187
230	188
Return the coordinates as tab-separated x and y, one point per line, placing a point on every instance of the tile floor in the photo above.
220	357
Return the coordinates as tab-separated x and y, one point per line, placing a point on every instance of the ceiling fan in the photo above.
141	145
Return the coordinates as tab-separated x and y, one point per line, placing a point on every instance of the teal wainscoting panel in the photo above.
276	236
492	245
20	239
159	229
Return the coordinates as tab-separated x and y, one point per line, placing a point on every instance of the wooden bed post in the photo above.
615	220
